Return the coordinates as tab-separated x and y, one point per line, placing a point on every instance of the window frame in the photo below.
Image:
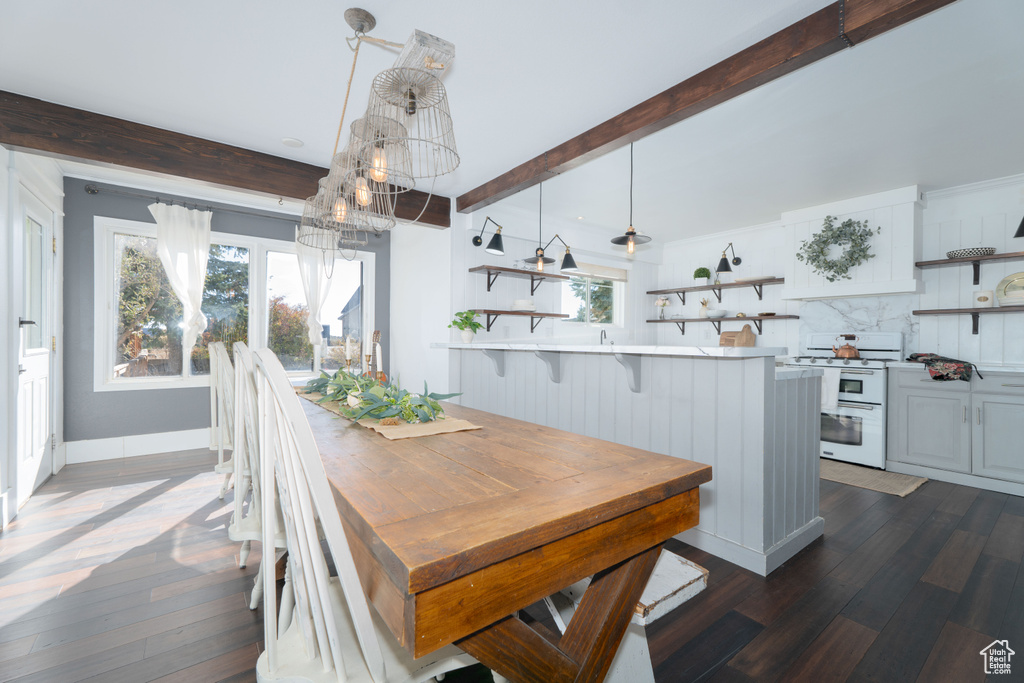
618	304
105	303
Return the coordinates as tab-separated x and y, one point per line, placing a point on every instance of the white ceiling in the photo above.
935	102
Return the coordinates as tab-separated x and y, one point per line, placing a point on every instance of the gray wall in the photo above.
98	415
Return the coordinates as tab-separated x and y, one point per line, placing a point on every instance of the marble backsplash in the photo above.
863	314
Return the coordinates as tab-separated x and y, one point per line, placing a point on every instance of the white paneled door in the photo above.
34	422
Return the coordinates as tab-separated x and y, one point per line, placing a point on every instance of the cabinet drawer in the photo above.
1011	383
920	379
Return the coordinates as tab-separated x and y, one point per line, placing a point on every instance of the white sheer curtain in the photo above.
183	245
315	267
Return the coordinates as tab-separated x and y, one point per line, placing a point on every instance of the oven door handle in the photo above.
856	406
856	372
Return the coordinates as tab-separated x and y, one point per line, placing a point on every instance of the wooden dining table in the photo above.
453	534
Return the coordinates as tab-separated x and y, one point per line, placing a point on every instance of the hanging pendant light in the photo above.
1020	229
630	238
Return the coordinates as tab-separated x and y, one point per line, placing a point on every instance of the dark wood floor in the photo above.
122	571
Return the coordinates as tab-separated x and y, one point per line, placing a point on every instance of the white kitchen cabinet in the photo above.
996	448
970	430
933	429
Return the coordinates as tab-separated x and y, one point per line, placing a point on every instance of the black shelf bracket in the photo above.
759	289
757	323
976	265
682	297
491	279
682	327
535	283
534	321
718	293
717	324
491	317
974	319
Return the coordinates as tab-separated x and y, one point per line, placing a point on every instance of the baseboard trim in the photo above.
762	563
986	483
114	448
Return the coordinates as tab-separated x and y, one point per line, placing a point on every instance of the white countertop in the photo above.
688	351
984	367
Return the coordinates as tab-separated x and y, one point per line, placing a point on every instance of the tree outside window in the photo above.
589	300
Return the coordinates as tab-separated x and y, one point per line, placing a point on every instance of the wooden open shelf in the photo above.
758	285
975	261
717	322
973	312
535	317
535	277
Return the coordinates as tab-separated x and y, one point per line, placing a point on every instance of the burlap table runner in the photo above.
403	430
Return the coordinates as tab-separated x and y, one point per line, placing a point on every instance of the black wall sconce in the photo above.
539	259
723	265
496	246
1020	229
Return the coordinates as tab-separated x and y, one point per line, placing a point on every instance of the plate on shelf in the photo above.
972	251
751	278
524	309
1010	290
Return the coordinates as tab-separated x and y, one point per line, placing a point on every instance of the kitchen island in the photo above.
727	407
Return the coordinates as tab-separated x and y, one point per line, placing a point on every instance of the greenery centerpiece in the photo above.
360	396
702	273
853	236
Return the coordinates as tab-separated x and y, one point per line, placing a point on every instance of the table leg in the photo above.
585	651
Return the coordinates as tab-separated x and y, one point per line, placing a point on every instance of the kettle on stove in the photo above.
846	350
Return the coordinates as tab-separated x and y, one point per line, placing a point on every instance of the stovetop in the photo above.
841	362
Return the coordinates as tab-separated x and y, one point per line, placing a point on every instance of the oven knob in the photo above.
814	360
829	361
864	362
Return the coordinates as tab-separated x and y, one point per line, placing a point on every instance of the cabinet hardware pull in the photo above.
1013	385
979	415
965	415
854	405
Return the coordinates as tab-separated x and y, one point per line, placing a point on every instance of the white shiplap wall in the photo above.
985	214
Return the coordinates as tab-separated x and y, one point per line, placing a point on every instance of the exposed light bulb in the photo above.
379	165
362	192
340	209
630	245
540	265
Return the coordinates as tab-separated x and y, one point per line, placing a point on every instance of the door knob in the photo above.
22	322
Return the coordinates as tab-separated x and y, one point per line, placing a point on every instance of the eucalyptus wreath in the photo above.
855	235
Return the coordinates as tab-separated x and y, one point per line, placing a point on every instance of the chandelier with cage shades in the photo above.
405	136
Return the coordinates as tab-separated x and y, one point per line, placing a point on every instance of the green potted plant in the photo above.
466	321
702	275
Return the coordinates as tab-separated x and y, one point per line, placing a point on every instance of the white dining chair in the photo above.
222	394
246	523
333	635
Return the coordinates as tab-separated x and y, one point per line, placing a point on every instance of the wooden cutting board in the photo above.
744	337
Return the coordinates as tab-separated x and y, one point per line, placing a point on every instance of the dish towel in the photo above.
830	388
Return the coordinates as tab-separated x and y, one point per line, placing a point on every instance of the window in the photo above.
252	293
588	300
594	295
148	339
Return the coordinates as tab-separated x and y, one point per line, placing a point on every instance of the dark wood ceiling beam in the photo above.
30	124
812	38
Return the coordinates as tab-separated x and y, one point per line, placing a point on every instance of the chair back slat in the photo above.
292	459
246	453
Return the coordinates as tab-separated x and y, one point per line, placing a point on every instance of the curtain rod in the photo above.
93	189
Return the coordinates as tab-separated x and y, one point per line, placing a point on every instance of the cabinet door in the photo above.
934	429
998	451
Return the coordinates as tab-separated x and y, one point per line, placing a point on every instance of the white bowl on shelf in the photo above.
716	313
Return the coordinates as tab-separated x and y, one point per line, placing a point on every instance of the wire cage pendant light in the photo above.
416	100
630	238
